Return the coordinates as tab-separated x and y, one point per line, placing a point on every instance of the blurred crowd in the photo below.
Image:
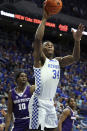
74	83
75	8
14	56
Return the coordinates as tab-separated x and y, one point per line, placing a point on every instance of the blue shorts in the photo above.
21	125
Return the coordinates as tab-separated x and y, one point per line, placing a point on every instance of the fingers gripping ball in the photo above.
53	6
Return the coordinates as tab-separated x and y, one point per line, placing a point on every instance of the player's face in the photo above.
22	78
72	103
48	48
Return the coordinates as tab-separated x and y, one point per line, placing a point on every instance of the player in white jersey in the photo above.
47	73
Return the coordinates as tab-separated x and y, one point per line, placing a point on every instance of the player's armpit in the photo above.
65	61
39	56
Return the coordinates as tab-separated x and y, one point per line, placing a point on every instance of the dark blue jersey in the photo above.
20	103
67	125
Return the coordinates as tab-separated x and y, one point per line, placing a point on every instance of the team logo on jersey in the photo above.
52	60
16	97
25	95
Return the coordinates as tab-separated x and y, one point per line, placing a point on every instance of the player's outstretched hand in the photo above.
78	34
45	14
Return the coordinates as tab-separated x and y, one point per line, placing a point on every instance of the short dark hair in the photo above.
69	99
47	42
17	75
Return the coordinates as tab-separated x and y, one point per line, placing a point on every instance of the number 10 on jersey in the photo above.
22	106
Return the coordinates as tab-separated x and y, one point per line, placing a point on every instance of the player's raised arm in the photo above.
9	113
38	40
70	59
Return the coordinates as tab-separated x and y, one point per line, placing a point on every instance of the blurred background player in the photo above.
18	104
67	118
47	74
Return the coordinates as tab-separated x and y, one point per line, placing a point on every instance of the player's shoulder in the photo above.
28	87
12	91
59	59
66	111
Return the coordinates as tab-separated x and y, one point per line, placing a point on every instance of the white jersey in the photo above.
41	106
47	79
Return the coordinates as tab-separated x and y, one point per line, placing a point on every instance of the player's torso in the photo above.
48	78
20	103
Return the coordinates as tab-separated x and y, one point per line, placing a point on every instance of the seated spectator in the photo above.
79	101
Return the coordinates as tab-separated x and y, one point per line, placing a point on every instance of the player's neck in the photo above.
50	56
71	107
21	87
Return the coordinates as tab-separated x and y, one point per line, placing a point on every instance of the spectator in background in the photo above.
58	105
3	112
79	101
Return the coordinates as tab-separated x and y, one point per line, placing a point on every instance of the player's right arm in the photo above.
37	44
75	56
9	113
62	118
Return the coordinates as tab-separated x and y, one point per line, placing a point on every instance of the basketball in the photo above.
53	6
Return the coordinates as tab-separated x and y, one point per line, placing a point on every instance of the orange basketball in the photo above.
53	6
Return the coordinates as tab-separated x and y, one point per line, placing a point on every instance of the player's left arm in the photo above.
32	89
62	118
70	59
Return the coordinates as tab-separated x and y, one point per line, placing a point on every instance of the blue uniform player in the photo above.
18	104
67	118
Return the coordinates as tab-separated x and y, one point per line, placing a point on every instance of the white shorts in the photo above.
45	115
